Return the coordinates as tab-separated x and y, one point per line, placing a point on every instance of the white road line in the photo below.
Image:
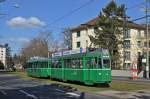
29	95
60	90
68	93
72	94
3	92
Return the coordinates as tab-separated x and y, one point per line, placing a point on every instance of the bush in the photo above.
1	65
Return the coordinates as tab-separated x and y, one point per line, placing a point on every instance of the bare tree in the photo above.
67	38
38	46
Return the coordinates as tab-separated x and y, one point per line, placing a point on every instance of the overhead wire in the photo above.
69	13
77	9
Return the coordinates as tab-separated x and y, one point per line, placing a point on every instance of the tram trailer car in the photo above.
89	68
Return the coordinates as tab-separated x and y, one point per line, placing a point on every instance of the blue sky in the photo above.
43	12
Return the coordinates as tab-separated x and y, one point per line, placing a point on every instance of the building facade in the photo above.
130	51
3	54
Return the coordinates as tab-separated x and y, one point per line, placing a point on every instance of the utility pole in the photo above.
147	41
125	28
124	32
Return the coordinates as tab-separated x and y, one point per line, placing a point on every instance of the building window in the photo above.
127	44
138	34
127	55
139	44
145	44
78	34
95	29
127	33
145	33
78	44
139	54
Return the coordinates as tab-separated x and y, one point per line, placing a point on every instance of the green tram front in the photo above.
97	67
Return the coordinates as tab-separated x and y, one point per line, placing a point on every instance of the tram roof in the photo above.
39	60
79	55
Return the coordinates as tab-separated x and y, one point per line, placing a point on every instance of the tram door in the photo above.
87	69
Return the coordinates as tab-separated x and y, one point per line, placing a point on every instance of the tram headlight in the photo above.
99	73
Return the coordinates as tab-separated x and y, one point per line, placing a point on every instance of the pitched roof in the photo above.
94	21
2	46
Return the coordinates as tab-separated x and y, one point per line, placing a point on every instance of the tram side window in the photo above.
99	64
80	63
33	65
67	63
106	63
73	63
29	65
77	63
41	65
56	64
46	65
91	63
36	64
88	63
49	64
53	62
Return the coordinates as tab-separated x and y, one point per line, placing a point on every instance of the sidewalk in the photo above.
128	79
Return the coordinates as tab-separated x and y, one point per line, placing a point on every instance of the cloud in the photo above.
19	40
20	22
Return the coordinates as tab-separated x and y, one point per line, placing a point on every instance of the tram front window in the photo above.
106	63
99	64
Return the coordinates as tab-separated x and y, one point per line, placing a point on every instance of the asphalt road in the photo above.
12	87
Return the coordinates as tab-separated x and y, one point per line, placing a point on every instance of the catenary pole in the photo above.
147	41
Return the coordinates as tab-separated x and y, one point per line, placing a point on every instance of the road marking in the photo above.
3	92
29	95
60	90
73	94
68	93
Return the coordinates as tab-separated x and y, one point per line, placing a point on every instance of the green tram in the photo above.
87	67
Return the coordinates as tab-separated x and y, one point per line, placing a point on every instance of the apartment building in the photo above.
3	54
146	38
133	40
